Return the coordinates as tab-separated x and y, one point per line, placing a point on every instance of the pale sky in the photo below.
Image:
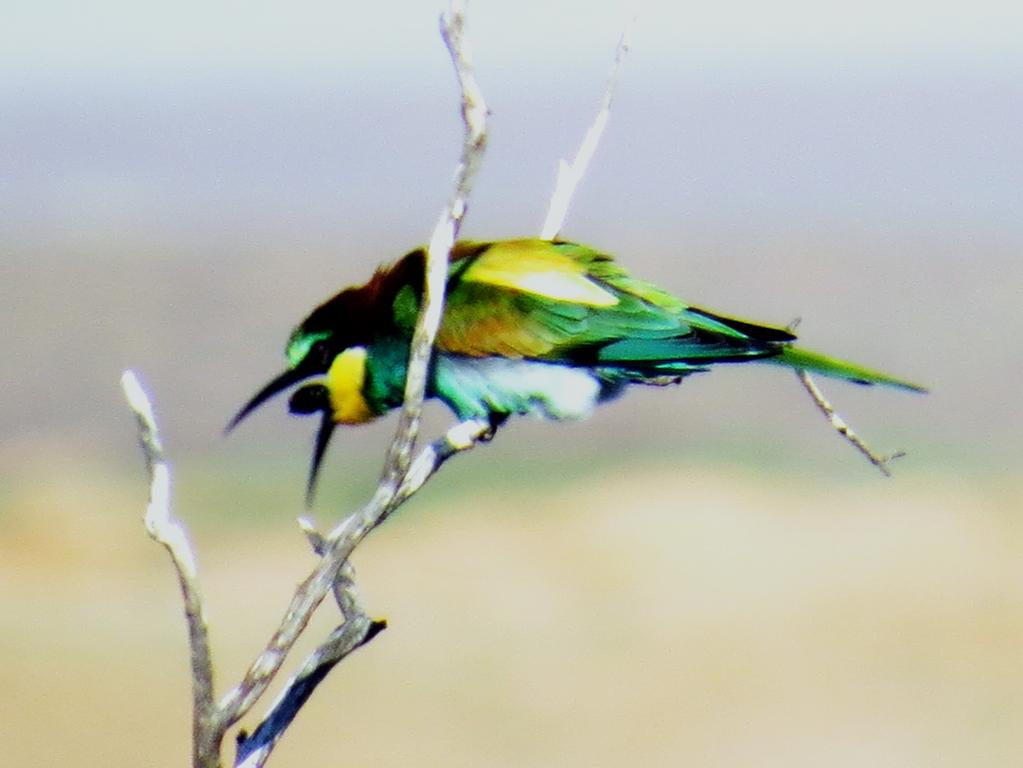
130	38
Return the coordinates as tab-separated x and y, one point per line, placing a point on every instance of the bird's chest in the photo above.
477	386
474	387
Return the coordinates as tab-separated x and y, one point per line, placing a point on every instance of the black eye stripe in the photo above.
321	354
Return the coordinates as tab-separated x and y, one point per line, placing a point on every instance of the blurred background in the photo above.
702	575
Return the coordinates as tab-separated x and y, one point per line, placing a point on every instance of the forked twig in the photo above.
357	628
355	631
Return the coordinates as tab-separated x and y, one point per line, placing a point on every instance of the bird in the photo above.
545	327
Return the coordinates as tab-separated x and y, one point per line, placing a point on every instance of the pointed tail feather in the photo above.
814	362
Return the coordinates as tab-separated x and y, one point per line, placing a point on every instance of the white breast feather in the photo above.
545	389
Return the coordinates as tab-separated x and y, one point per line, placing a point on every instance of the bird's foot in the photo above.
496	420
667	380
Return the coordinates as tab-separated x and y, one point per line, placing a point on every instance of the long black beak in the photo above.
319	450
314	398
282	382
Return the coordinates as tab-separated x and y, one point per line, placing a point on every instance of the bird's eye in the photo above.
320	352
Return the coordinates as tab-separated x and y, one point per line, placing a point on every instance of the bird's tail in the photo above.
814	362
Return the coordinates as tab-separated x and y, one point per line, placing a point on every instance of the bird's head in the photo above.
309	354
323	351
330	330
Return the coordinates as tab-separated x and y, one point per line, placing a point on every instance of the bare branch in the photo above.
842	427
569	175
164	528
394	487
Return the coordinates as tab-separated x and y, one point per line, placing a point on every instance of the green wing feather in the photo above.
558	301
554	301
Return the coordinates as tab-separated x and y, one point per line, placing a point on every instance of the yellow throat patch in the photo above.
345	380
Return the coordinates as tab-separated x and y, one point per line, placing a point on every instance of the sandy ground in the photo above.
645	618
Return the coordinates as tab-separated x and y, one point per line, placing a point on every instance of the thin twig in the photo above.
166	529
569	175
881	461
445	234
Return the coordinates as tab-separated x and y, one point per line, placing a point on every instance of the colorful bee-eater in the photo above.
530	326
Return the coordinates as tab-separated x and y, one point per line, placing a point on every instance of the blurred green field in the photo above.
632	613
